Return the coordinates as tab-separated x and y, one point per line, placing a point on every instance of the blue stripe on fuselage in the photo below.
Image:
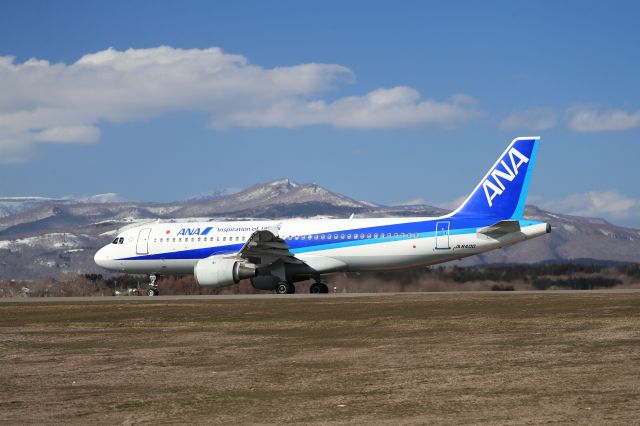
199	253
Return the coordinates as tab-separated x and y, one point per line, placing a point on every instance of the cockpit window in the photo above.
115	241
120	240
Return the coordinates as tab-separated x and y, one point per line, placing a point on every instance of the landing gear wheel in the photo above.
285	288
153	288
317	288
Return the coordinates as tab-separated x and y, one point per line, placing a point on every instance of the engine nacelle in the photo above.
220	272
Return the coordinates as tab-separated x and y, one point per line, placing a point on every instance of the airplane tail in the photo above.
501	194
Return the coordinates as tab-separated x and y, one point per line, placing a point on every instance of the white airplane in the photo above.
275	254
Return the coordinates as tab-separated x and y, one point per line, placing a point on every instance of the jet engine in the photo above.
220	272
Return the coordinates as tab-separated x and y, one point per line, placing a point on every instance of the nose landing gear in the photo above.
153	287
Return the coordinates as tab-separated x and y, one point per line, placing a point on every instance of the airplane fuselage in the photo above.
327	245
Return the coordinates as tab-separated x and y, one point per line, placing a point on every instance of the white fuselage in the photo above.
326	245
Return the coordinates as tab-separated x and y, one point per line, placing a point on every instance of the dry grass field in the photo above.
481	358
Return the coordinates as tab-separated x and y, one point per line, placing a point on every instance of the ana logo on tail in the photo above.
494	188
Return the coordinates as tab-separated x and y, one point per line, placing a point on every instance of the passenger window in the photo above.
322	237
218	239
355	236
368	235
224	238
335	236
402	235
237	238
328	236
362	236
395	235
348	236
375	235
342	236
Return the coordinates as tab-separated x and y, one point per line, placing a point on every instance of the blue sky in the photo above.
381	101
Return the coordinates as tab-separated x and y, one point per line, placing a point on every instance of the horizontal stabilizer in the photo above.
501	228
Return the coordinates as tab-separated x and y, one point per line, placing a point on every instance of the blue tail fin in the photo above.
501	194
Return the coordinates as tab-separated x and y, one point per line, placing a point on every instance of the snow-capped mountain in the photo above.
279	195
15	205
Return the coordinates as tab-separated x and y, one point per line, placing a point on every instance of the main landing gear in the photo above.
317	288
153	287
285	287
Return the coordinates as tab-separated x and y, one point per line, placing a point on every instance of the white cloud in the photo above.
537	118
587	119
381	108
609	205
68	134
42	102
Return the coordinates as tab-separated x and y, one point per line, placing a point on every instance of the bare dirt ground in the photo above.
431	358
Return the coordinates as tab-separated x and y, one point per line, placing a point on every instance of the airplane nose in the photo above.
100	258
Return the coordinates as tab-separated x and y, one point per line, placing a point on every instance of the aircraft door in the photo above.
442	235
142	247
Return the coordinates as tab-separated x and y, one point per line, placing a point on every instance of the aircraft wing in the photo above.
265	248
501	228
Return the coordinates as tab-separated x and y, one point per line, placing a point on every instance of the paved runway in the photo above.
295	296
